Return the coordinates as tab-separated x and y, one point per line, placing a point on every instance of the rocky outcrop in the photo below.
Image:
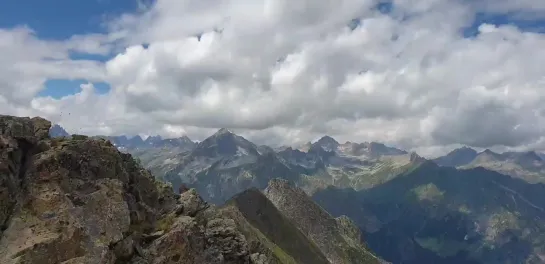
339	239
80	200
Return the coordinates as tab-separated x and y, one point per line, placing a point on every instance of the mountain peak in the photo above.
415	158
327	143
225	143
457	157
223	131
488	151
327	139
152	139
58	131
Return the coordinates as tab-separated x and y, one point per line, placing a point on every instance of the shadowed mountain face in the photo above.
443	215
262	221
337	238
457	157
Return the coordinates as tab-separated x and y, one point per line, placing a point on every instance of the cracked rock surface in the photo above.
79	200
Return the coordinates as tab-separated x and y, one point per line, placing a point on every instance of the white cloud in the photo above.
287	72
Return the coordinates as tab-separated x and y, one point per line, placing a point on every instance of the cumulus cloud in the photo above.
285	72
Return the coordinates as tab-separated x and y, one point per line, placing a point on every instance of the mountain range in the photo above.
78	199
464	207
529	166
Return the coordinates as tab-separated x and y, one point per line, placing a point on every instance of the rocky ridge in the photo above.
338	238
80	200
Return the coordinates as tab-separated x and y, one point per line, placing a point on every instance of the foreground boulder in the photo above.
80	200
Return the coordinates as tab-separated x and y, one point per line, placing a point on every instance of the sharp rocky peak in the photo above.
223	132
327	140
488	151
225	143
464	150
58	131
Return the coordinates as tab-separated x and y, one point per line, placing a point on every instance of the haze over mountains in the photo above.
464	207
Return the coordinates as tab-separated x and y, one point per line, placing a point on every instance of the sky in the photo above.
423	75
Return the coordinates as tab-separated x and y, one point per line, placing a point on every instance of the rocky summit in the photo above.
80	200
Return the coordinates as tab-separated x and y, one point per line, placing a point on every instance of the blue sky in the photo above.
60	21
64	18
70	17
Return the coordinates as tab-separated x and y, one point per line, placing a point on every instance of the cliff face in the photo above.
80	200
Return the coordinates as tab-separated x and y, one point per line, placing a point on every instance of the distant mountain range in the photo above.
126	143
464	207
529	166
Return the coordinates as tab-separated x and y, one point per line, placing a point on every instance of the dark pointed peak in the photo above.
327	140
414	157
153	138
183	139
58	131
488	151
464	149
223	131
225	143
495	155
326	143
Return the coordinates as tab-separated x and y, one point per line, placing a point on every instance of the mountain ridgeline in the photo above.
368	201
76	199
